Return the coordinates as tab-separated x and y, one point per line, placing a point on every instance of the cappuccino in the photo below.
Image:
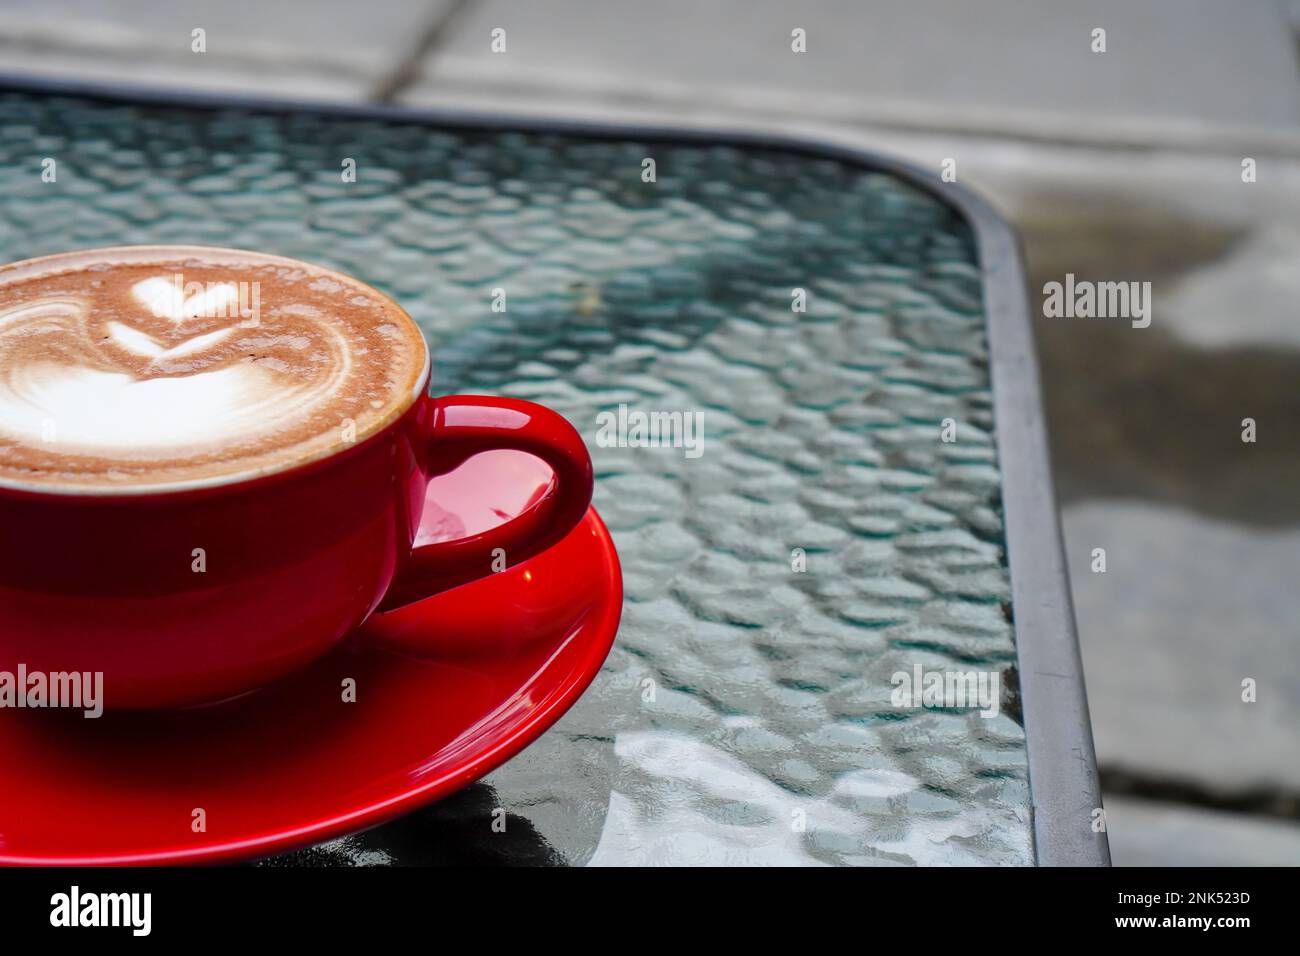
162	367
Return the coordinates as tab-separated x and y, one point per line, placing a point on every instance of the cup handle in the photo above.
462	426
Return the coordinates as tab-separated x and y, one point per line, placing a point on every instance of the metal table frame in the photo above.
1063	783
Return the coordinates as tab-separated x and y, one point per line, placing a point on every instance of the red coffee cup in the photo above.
291	561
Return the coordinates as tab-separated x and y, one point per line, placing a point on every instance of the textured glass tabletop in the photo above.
824	540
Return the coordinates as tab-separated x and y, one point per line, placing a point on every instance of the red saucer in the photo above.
446	690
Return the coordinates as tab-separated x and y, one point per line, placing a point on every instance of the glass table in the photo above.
871	497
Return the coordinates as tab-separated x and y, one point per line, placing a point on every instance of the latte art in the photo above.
111	375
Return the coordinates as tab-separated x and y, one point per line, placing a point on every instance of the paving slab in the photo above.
997	65
1187	609
1150	833
287	48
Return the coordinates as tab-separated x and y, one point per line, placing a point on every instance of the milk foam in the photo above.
162	297
111	376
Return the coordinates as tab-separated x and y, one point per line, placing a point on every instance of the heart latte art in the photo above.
160	366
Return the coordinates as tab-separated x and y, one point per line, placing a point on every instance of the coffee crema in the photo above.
151	367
